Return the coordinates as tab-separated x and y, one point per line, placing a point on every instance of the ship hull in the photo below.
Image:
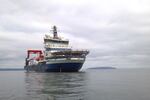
55	67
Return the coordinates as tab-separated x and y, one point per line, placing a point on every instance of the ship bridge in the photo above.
55	43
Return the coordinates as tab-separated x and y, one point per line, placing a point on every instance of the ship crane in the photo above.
36	52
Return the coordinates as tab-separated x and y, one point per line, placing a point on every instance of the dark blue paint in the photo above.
61	67
64	67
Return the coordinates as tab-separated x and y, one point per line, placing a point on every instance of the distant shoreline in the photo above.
21	69
11	69
103	68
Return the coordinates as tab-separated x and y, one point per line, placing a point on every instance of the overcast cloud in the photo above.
117	32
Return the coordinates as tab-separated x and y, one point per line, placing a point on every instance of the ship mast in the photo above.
55	36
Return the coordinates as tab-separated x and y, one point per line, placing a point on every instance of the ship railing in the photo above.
80	50
50	37
64	56
54	59
71	52
53	46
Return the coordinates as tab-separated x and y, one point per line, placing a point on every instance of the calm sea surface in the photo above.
119	84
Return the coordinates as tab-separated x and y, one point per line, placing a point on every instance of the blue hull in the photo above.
61	67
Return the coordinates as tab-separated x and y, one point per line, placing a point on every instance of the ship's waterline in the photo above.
55	67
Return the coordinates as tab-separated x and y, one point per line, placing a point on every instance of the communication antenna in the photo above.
55	36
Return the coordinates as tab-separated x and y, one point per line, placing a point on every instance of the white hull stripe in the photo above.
64	61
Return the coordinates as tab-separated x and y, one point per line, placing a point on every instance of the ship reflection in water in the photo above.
55	86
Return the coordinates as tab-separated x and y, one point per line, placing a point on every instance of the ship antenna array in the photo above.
54	30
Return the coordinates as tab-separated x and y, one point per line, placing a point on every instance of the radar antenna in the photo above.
55	36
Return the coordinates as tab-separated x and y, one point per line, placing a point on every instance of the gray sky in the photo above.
117	32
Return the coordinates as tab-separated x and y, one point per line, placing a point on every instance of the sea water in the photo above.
112	84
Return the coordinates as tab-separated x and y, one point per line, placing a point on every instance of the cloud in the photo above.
116	32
